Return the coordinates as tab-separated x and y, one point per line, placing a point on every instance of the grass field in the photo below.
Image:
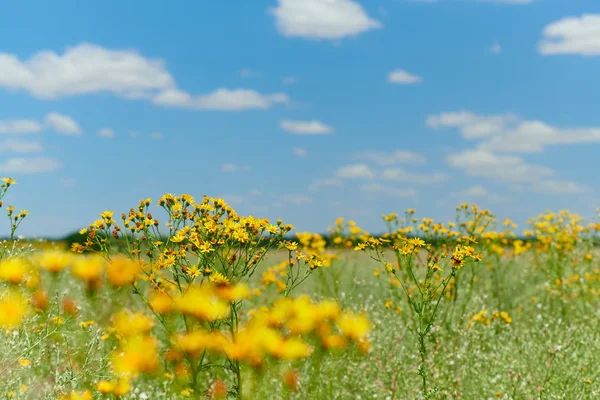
236	307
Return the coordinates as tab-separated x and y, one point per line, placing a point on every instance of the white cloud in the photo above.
396	157
572	35
560	187
480	192
88	68
356	171
508	133
403	77
14	146
389	191
299	152
289	80
62	124
85	68
313	127
249	73
156	135
471	125
296	199
534	136
29	165
322	19
476	191
106	133
400	175
318	184
220	100
20	126
496	48
485	164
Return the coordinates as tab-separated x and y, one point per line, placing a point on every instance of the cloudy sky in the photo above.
300	109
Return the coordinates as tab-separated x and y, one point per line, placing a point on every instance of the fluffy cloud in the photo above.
560	187
220	100
15	146
29	165
508	133
106	133
534	136
389	191
479	192
313	127
363	171
88	68
475	191
401	76
572	35
85	68
356	171
471	125
21	126
289	80
62	124
400	175
504	168
57	122
322	19
396	157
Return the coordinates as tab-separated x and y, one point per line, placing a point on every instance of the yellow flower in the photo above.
132	323
75	395
88	268
9	181
13	309
232	292
355	327
13	270
105	387
54	261
122	387
23	362
139	354
86	324
161	302
218	278
122	271
201	302
197	341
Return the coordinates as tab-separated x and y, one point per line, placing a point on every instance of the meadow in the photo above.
217	305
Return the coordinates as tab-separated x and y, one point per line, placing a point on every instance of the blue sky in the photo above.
304	110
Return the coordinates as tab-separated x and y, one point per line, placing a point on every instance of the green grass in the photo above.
551	350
